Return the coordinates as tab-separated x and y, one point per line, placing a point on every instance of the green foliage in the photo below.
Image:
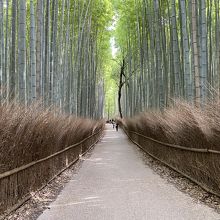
126	25
110	89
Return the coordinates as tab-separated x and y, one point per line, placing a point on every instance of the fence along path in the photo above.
16	185
115	183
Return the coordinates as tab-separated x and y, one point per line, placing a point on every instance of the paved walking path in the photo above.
114	183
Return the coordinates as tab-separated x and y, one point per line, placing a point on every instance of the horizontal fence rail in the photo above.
17	184
201	150
16	170
201	166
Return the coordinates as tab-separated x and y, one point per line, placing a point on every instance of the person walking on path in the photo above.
113	123
116	126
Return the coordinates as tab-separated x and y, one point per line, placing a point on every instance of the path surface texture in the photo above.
114	183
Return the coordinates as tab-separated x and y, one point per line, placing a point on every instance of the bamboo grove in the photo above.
58	53
54	51
171	49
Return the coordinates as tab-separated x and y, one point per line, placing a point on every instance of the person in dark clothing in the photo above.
116	126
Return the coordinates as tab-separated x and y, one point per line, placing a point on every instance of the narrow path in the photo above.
115	184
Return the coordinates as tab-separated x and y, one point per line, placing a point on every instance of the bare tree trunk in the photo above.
1	45
176	53
121	83
13	52
33	51
195	53
186	53
22	51
5	73
204	65
38	49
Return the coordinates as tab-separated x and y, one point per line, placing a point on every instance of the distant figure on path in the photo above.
116	126
113	123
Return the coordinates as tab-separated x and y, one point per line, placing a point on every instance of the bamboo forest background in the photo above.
171	50
58	52
54	51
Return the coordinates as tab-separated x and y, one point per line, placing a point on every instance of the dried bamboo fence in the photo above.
16	185
201	166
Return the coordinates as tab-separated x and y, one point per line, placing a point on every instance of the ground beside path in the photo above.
115	183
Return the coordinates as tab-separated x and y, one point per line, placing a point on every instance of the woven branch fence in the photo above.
201	166
16	185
